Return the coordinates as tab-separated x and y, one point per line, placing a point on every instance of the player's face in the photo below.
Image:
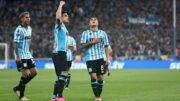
93	21
26	19
65	17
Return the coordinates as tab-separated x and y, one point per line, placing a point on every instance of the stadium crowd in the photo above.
128	40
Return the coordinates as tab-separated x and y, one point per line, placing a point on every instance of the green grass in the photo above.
122	85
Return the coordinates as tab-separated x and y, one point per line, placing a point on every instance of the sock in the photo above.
60	85
55	89
100	86
68	80
22	89
29	78
24	80
94	86
22	85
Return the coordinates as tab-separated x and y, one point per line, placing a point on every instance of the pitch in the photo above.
122	85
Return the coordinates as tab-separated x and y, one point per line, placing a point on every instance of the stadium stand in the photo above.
138	29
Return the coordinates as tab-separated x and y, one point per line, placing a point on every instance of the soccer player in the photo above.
23	57
59	53
71	49
94	41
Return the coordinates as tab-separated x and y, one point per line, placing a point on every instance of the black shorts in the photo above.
69	64
96	66
60	62
26	64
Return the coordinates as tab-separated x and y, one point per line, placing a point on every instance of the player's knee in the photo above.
93	76
64	73
69	74
100	77
24	75
33	74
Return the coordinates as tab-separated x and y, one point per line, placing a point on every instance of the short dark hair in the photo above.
64	12
21	15
93	16
65	9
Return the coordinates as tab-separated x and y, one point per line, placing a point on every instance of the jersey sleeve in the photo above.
17	35
105	40
73	42
83	38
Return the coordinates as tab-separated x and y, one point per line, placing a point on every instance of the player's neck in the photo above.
24	25
94	29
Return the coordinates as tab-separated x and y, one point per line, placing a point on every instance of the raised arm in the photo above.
59	11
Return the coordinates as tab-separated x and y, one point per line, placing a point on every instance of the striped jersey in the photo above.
70	42
22	36
95	51
60	35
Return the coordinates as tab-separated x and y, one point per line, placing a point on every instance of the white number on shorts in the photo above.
102	69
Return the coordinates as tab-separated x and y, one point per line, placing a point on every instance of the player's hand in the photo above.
71	47
18	59
62	3
109	73
107	62
96	40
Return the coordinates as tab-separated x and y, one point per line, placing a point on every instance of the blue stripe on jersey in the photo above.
60	34
96	51
22	36
70	42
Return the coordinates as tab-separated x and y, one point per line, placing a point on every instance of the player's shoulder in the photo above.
18	28
86	31
73	39
29	27
102	31
58	25
70	37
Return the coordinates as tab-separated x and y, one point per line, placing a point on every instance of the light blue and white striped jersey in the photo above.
95	51
60	35
71	42
22	36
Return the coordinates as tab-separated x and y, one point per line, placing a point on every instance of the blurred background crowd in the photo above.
137	29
